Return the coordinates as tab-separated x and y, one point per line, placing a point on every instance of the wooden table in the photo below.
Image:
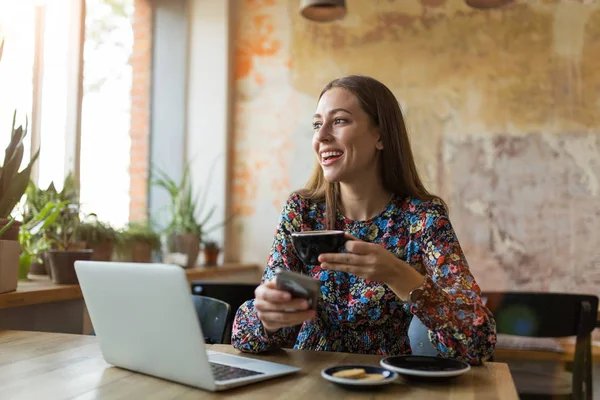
50	366
41	305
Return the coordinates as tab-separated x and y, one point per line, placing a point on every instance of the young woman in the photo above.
405	260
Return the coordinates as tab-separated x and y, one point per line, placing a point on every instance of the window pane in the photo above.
105	142
17	28
55	86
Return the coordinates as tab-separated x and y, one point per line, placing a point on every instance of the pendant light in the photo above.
485	4
323	10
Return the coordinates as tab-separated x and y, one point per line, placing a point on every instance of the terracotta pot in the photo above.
211	256
77	246
46	262
13	232
141	252
38	268
62	264
188	244
103	251
10	252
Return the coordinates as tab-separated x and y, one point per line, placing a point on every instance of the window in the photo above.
54	90
105	120
17	29
81	101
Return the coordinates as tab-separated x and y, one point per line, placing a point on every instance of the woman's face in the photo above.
345	139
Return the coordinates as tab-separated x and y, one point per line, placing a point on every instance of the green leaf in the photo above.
15	191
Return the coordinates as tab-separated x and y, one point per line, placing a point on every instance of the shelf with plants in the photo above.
137	242
186	221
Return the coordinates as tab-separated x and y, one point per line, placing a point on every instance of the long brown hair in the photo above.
398	168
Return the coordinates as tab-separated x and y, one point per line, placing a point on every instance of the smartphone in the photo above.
299	286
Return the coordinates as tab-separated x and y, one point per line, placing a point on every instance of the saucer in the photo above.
425	368
389	376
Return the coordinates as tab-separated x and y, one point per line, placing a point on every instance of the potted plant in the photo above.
65	247
12	187
36	199
99	237
30	237
137	241
185	228
9	260
211	252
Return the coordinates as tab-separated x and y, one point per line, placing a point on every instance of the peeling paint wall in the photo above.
503	108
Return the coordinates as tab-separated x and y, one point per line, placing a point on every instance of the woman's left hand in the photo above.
373	262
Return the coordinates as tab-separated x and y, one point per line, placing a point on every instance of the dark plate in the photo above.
389	376
425	368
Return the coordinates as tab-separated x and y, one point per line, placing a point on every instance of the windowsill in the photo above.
40	289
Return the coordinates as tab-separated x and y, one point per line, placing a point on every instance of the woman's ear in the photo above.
379	145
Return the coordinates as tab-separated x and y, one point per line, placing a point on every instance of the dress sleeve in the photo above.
248	333
450	305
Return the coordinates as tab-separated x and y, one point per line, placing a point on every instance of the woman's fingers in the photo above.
267	292
277	319
294	304
341	258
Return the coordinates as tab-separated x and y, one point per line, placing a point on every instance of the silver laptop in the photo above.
145	320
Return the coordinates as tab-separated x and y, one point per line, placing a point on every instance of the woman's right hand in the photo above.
272	304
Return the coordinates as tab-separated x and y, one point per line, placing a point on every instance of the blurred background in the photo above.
503	108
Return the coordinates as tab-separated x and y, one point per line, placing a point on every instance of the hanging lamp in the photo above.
485	4
323	10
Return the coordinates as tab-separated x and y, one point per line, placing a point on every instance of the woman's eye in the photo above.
316	125
339	120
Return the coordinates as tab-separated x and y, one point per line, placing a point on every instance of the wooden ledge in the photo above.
40	289
567	355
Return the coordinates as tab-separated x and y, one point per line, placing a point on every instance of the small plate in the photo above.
389	376
425	368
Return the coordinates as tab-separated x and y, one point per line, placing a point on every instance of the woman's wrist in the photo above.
405	281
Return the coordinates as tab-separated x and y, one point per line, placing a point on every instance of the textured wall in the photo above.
503	109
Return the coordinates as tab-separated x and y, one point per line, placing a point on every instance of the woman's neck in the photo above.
363	201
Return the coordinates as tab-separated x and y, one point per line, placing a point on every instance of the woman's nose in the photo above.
324	133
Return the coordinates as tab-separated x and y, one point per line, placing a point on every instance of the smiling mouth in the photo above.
329	157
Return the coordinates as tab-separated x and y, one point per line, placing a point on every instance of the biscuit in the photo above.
373	377
354	373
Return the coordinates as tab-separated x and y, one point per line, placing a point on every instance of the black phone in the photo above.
299	286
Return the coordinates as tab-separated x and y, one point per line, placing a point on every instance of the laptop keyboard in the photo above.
223	372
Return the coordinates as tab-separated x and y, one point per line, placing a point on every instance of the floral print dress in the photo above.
361	316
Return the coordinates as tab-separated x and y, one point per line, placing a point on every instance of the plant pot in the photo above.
211	256
188	244
37	268
62	264
141	252
10	252
77	246
13	232
103	251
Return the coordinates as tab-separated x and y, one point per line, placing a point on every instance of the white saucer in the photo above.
390	376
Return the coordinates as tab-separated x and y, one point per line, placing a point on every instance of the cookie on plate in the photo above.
354	373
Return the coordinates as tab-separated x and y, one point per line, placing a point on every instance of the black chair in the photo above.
549	315
234	294
213	315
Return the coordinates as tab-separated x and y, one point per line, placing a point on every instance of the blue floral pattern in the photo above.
361	316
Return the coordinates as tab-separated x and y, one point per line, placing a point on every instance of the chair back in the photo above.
234	294
213	315
551	315
543	314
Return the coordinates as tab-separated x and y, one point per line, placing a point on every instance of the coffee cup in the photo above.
310	244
